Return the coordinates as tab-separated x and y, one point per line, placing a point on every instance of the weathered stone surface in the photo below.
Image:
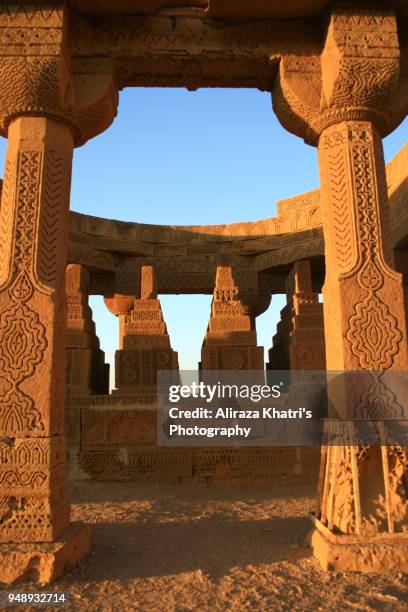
86	370
43	563
193	253
299	341
44	116
230	341
73	407
106	428
342	88
143	463
331	101
144	344
383	554
130	462
118	442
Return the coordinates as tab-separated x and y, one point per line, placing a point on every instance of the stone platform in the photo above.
219	465
43	562
115	439
383	553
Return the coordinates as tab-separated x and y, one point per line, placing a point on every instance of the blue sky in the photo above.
179	157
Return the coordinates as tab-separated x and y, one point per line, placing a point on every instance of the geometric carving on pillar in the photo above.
363	295
86	369
36	470
345	101
363	489
362	509
44	114
230	341
32	303
37	76
34	501
299	341
143	340
374	509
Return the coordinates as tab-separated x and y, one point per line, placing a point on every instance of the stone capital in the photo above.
38	77
360	75
244	284
119	305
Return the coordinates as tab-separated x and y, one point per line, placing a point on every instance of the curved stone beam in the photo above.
185	257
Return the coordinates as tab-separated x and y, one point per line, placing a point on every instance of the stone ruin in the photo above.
337	73
299	340
230	341
144	344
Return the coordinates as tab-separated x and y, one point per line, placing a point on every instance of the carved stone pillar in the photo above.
365	303
230	341
144	344
346	100
299	341
34	228
86	371
42	126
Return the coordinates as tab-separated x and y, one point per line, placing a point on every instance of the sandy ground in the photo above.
168	548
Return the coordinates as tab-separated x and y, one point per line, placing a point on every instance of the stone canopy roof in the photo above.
185	257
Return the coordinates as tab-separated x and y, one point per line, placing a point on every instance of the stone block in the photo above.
42	563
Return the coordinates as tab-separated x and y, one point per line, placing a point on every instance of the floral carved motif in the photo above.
379	401
373	331
373	334
23	336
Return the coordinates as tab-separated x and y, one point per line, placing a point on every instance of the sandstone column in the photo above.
345	100
86	370
299	341
230	341
40	116
144	344
34	223
365	307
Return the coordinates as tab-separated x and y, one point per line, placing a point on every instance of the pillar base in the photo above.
43	562
378	554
